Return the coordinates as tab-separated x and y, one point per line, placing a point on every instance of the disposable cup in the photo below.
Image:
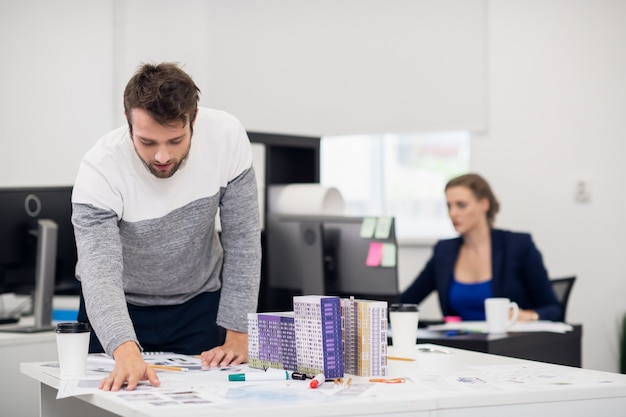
404	319
72	347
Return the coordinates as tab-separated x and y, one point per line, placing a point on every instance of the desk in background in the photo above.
443	382
557	348
17	392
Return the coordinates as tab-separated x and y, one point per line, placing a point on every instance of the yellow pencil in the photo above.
168	368
397	358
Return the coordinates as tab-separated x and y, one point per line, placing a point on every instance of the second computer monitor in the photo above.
330	255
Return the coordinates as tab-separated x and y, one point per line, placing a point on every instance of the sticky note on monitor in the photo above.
375	254
389	255
383	228
368	226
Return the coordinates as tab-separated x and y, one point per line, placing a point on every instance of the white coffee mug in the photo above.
501	313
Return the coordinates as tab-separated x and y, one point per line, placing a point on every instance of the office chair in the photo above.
562	289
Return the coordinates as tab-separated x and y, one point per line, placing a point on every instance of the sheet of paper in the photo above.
186	389
170	380
154	358
70	387
520	326
103	362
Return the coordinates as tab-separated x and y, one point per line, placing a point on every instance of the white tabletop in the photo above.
440	381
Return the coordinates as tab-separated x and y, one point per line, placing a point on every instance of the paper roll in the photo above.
307	199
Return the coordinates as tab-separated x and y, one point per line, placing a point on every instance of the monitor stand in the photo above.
45	268
311	246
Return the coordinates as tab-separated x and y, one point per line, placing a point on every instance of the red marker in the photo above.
317	381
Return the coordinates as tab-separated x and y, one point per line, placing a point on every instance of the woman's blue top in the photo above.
517	273
468	300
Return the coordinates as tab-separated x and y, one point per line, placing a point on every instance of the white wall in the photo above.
329	67
557	99
55	87
556	104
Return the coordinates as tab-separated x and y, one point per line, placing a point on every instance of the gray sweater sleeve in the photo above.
100	272
241	240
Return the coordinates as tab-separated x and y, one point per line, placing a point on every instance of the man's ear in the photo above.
195	116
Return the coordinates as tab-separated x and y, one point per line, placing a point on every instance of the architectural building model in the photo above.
324	334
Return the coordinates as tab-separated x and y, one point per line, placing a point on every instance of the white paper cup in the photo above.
500	313
72	347
404	319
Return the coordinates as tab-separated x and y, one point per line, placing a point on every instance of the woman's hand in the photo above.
527	315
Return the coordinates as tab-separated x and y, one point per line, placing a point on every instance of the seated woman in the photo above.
483	261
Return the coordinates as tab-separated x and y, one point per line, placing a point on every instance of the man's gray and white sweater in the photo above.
152	241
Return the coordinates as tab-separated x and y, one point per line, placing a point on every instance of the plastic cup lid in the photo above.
73	327
404	307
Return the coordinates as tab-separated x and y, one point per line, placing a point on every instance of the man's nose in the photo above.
162	155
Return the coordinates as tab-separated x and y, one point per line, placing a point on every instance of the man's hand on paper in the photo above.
130	368
233	352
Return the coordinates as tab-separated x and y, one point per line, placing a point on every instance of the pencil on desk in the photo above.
168	368
399	358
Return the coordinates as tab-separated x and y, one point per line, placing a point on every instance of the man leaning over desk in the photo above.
155	276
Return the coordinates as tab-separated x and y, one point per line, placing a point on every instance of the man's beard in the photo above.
160	173
165	174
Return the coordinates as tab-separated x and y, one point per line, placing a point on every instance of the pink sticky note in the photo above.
375	254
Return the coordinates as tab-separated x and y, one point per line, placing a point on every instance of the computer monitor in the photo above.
35	222
327	255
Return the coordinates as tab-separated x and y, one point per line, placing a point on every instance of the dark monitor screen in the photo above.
327	255
20	210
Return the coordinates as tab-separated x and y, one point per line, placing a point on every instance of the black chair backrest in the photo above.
562	289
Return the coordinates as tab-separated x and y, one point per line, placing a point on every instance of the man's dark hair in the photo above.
164	91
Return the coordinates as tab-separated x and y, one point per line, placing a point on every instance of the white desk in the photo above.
17	391
459	383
